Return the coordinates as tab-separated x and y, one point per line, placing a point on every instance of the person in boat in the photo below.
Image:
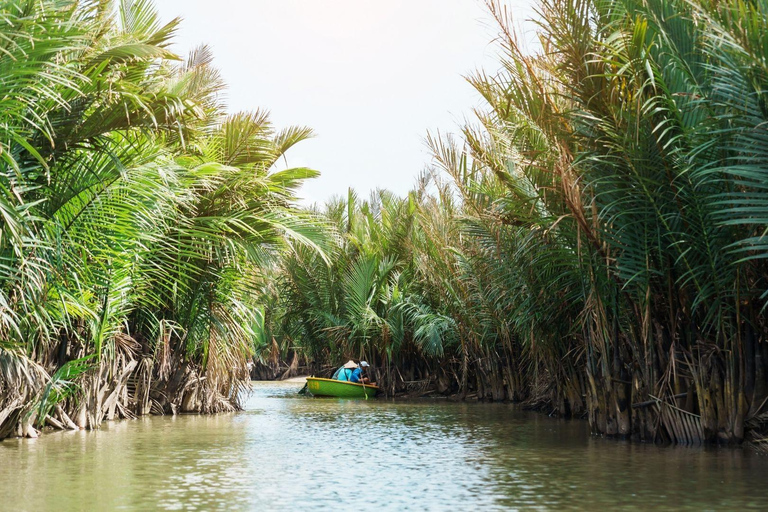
345	372
357	374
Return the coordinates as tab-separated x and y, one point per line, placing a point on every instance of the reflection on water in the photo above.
288	451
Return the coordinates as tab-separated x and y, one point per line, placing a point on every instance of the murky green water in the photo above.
310	454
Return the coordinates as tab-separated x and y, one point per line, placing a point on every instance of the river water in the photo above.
301	453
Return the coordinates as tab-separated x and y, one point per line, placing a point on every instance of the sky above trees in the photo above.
369	77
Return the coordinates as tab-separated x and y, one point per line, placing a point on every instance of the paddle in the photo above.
362	382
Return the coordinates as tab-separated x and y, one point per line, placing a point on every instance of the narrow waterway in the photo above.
301	453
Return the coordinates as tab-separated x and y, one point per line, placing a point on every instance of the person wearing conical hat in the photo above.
345	372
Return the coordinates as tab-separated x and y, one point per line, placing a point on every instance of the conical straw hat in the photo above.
350	365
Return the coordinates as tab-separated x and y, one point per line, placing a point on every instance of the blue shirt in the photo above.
344	374
356	374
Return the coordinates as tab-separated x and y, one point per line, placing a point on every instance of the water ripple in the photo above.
285	451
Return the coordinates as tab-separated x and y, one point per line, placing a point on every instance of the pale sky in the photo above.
371	77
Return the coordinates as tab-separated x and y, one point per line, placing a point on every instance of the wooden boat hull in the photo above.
338	388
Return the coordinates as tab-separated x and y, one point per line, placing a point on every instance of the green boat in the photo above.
340	388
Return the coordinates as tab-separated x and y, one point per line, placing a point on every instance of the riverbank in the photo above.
423	391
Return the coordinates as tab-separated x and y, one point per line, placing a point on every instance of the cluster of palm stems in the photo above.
135	218
594	243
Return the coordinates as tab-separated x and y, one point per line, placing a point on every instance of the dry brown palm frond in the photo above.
21	384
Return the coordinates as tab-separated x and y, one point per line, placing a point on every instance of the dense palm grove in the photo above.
594	245
135	218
